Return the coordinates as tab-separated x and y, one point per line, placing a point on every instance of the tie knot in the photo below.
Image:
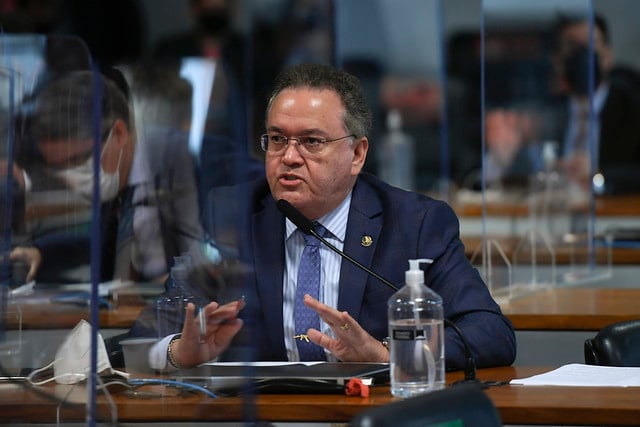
310	239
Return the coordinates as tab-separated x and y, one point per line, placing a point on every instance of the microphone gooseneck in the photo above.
295	216
470	364
306	226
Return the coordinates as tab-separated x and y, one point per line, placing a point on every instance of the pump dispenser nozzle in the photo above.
414	276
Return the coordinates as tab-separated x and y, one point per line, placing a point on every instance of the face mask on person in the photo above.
214	22
80	178
576	71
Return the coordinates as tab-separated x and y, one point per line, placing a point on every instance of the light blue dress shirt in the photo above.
599	98
336	223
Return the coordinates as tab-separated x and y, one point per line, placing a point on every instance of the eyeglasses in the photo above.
309	144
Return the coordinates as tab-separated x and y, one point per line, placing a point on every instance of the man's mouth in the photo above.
289	178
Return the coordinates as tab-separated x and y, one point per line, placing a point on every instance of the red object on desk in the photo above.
355	387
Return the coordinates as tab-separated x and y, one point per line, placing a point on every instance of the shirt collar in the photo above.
599	97
334	221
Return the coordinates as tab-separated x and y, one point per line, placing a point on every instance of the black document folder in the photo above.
325	377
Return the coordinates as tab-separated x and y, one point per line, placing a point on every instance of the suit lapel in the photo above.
363	229
269	266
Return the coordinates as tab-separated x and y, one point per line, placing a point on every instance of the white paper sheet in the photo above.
261	363
581	375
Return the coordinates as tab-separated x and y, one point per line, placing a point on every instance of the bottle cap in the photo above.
549	155
394	120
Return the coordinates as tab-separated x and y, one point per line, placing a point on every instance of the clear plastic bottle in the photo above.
170	307
548	195
396	164
416	336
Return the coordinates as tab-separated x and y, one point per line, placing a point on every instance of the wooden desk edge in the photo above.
516	404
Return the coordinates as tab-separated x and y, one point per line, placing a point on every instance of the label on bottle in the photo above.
408	334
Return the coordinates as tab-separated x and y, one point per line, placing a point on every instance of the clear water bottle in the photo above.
396	164
549	198
170	307
416	336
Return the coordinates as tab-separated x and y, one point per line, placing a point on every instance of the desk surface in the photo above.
569	309
610	211
65	317
41	310
623	205
516	404
573	309
563	256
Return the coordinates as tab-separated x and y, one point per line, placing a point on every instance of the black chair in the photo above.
462	404
615	345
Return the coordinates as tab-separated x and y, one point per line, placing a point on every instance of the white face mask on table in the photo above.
72	363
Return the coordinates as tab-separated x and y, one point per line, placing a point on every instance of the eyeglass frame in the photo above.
321	143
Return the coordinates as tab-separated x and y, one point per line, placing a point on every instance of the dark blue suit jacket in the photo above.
403	226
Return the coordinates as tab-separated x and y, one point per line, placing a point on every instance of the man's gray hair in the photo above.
357	118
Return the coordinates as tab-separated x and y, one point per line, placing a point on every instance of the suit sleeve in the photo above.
466	299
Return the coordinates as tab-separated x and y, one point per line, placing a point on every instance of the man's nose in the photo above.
292	151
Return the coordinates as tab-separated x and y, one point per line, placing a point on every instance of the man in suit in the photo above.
59	125
597	128
613	149
316	145
60	130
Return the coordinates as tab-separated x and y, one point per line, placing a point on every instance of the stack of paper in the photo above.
580	375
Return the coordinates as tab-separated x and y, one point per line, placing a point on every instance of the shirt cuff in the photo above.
158	355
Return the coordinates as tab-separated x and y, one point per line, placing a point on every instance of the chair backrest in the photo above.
459	405
615	345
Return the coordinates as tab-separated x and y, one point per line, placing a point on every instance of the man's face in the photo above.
578	35
574	37
314	183
65	153
116	152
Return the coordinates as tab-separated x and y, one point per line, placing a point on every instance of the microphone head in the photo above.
295	216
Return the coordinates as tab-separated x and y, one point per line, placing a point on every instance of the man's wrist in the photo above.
385	342
171	356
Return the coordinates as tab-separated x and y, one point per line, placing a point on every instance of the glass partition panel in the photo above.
404	88
48	211
543	65
134	181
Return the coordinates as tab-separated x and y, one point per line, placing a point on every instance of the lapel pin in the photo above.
366	241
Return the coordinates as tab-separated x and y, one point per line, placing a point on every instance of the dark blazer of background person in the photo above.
619	137
173	191
402	226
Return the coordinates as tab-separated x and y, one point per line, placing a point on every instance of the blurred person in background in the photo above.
142	199
60	136
596	135
615	108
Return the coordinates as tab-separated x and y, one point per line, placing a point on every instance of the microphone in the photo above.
306	226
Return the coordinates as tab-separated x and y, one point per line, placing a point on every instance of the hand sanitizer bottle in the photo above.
396	162
416	336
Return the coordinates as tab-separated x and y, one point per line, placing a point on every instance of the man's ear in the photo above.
120	134
118	152
361	146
